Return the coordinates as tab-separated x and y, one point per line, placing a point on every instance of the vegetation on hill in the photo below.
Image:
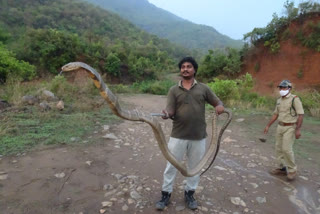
48	34
166	25
278	30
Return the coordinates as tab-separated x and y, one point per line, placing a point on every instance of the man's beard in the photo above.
187	77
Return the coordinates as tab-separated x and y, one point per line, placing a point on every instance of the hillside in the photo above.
167	25
49	34
296	56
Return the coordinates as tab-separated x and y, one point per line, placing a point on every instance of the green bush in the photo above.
9	65
310	101
154	87
61	87
225	89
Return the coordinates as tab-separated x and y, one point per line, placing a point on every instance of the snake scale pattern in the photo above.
137	115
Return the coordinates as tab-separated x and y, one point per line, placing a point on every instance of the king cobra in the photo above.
137	115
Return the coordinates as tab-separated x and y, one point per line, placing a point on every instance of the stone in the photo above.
110	136
219	168
60	175
29	99
238	201
3	177
229	140
60	105
106	204
48	95
261	200
88	163
180	208
135	195
239	120
254	185
125	207
44	106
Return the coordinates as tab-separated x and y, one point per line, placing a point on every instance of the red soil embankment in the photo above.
293	61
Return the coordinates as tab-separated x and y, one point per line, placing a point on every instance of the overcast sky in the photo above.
233	18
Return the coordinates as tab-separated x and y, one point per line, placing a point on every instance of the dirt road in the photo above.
122	173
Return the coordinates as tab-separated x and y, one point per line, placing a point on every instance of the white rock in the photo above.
239	120
3	177
107	194
135	195
261	199
125	207
110	136
219	178
204	209
251	165
89	162
106	127
254	185
60	105
60	175
102	211
130	201
238	201
106	203
180	208
304	178
228	140
220	168
199	189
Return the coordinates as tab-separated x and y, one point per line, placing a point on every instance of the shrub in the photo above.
9	65
154	87
225	89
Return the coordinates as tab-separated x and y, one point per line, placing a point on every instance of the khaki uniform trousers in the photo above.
285	137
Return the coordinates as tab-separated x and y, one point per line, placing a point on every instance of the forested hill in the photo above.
50	33
167	25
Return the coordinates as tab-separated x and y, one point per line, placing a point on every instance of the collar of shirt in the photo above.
193	84
286	97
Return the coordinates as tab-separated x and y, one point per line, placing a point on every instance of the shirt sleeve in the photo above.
171	101
298	105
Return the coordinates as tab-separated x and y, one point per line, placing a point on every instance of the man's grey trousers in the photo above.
194	150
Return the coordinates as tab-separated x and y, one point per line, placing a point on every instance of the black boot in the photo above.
164	200
191	202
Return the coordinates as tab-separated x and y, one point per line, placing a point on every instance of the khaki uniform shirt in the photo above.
283	109
188	107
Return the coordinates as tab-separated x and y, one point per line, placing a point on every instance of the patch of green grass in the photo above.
25	130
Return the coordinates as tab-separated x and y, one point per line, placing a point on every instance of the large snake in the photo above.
136	115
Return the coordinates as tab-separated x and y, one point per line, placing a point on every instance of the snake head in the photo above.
71	66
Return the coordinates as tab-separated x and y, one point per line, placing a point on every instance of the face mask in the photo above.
283	92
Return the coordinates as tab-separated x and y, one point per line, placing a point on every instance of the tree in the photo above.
112	64
9	65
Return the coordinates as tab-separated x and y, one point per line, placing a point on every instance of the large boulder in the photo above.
30	99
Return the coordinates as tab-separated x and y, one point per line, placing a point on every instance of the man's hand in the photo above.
266	129
298	133
166	115
219	109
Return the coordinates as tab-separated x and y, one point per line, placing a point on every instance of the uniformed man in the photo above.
290	113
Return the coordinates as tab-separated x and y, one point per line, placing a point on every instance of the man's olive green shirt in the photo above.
285	111
188	107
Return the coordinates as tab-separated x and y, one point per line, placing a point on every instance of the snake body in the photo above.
137	115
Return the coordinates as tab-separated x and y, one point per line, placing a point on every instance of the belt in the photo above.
286	124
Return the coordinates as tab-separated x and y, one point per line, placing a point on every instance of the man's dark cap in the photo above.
285	84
